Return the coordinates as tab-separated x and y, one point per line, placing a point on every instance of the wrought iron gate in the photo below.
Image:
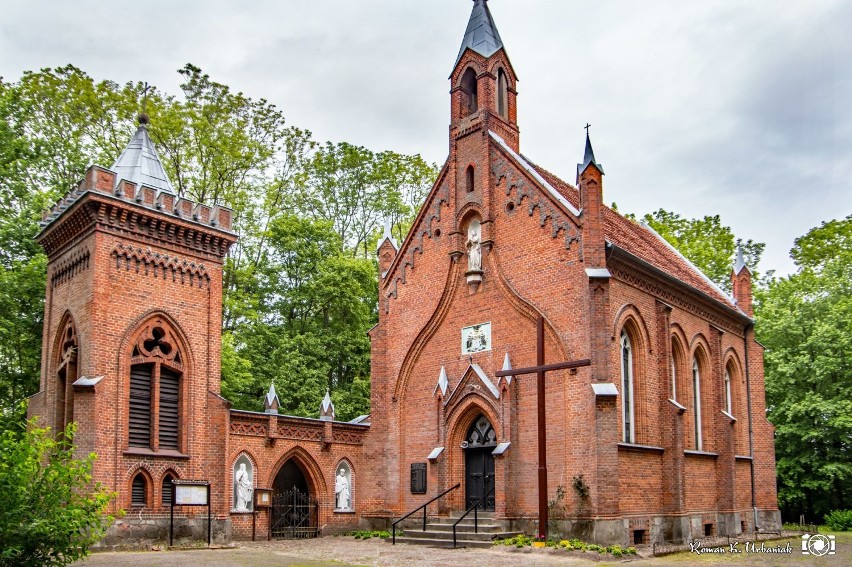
294	515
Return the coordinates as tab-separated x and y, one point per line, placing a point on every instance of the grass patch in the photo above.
522	540
368	534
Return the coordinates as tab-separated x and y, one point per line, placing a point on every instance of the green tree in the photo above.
805	322
311	333
50	510
706	243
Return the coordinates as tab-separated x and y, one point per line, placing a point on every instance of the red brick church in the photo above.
661	437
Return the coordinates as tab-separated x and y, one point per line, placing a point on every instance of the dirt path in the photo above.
346	551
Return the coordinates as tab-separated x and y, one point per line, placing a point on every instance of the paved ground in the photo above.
347	551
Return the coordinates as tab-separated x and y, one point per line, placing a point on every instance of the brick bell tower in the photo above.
483	103
132	328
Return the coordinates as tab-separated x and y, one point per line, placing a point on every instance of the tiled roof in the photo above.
645	244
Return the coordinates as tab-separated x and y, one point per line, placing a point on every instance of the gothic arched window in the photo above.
481	434
729	407
66	375
139	490
696	402
627	401
166	490
470	102
155	376
502	94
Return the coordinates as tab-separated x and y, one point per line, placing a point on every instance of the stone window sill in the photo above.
692	453
241	512
341	511
163	453
743	458
640	448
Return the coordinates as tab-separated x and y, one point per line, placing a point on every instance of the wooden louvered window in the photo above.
166	494
140	405
139	491
156	372
169	397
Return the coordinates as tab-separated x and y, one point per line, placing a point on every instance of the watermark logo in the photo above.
818	544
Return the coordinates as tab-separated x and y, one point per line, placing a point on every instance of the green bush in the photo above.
839	520
51	512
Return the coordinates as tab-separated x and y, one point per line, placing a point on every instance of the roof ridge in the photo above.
695	268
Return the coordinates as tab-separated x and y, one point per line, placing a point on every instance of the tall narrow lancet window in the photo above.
502	94
66	375
470	102
468	179
675	361
628	411
696	402
156	373
728	404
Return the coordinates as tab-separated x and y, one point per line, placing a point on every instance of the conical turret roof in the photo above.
139	162
481	34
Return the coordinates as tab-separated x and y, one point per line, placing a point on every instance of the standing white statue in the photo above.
474	247
341	490
242	480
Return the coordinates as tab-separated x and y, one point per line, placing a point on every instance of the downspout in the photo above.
750	428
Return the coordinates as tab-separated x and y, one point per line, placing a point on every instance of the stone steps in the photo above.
439	531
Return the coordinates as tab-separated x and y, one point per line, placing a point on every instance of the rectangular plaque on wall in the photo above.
418	478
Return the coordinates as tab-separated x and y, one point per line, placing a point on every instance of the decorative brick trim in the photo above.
661	290
70	267
145	260
512	179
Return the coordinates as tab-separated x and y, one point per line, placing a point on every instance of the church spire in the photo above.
741	284
139	162
481	34
588	156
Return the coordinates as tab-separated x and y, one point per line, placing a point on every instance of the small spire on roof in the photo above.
387	235
270	402
139	163
739	264
326	407
588	155
481	34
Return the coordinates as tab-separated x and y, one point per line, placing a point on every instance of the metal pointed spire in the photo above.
326	407
139	162
270	402
387	236
588	156
739	264
481	34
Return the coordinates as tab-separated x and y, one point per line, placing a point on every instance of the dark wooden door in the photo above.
479	477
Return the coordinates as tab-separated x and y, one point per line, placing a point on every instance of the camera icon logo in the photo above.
818	544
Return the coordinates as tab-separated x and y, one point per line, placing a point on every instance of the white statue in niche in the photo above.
341	491
244	488
474	246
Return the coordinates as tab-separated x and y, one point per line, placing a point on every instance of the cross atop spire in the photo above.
481	34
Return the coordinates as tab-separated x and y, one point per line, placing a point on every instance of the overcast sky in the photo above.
737	108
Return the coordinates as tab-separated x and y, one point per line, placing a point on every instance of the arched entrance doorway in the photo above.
294	508
479	464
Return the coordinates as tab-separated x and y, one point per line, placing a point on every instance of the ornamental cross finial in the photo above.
587	126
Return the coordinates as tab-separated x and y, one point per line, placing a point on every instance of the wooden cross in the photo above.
539	369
